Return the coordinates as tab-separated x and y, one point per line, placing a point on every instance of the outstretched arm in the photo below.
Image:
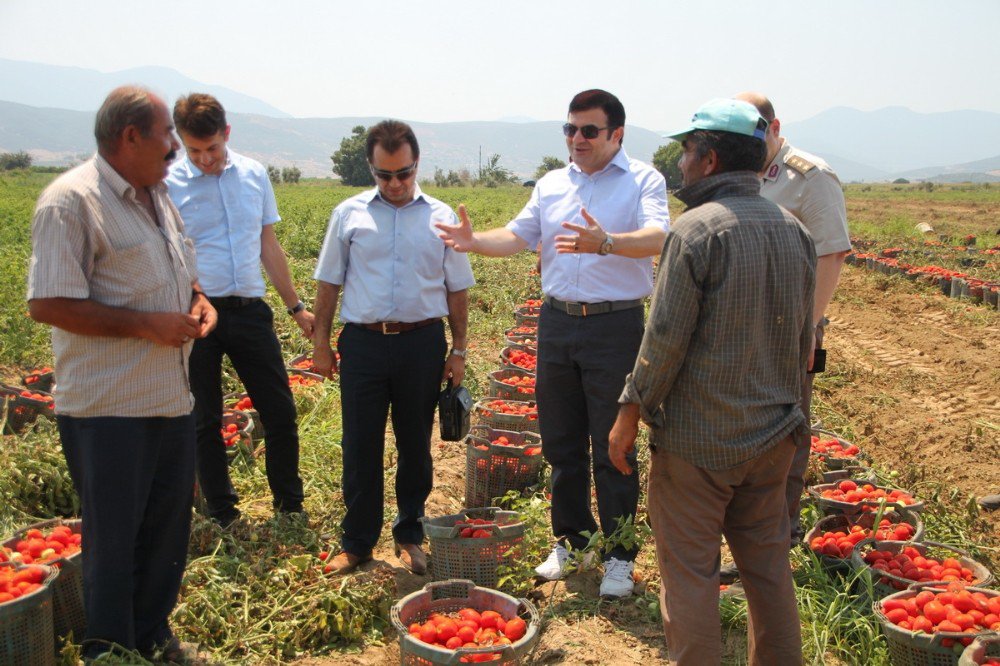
645	242
493	243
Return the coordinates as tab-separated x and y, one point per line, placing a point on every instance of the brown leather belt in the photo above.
586	309
394	327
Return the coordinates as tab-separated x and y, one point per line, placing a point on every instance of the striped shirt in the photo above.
92	239
719	374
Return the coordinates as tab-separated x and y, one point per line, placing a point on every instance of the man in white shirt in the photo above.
600	220
228	207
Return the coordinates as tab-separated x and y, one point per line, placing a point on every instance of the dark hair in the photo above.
124	106
736	152
603	100
199	115
391	134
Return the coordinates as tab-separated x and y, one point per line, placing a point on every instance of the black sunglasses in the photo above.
588	131
401	174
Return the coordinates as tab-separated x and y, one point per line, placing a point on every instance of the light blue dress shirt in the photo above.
626	195
390	261
224	216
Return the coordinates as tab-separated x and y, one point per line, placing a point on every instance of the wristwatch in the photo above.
297	308
458	352
607	245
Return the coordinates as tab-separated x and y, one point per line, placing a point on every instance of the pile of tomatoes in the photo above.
38	547
521	359
244	404
528	450
299	381
955	610
34	376
523	329
475	528
839	544
19	582
526	409
525	385
230	434
833	448
468	628
850	492
913	565
40	397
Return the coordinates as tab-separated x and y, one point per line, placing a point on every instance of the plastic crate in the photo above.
40	381
26	636
295	362
68	611
450	596
475	559
885	583
866	520
831	463
507	364
495	470
525	316
506	391
832	507
244	446
18	411
229	401
983	647
525	335
916	648
489	416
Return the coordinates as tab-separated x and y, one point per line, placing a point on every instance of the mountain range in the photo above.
49	110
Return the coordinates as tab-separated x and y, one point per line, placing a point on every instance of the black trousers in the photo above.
135	478
582	365
246	335
379	372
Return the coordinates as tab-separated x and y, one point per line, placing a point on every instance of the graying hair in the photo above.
124	106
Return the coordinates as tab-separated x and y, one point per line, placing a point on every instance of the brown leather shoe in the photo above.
412	558
345	562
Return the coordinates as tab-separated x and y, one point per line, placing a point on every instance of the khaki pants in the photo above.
690	509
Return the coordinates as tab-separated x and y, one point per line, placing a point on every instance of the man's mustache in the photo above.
171	156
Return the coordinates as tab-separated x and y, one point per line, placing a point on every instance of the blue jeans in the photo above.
135	478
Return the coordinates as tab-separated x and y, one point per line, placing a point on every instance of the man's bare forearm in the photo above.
88	317
827	275
327	295
458	318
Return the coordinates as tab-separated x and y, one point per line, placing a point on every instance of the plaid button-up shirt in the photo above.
719	374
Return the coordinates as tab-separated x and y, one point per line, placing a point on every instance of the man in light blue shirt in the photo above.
229	210
600	221
398	280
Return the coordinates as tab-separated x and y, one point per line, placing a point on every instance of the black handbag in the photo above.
454	408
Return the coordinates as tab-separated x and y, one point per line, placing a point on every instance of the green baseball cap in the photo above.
725	115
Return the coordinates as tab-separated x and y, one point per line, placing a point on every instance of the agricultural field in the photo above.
912	379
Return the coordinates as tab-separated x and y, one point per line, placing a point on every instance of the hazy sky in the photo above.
447	60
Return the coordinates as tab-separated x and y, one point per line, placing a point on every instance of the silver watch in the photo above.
458	352
607	245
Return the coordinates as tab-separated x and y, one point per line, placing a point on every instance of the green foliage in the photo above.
665	161
350	161
273	174
36	483
494	175
549	163
291	175
451	179
18	160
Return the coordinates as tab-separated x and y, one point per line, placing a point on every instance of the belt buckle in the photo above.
386	331
576	308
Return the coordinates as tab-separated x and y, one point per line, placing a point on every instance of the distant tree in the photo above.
440	179
665	161
291	174
18	160
494	175
549	163
350	162
900	181
274	174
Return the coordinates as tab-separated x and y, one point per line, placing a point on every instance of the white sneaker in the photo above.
560	561
617	581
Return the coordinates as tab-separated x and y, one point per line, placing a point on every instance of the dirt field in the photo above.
915	379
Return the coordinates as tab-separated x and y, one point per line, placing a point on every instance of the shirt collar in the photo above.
717	186
192	171
774	168
371	195
620	160
119	185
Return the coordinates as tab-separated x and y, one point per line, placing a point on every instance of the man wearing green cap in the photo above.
718	380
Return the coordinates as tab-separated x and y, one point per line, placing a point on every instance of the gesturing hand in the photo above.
458	236
588	238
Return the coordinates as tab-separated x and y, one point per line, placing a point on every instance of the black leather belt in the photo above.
394	327
587	309
231	302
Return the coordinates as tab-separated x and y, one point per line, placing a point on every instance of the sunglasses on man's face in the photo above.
588	131
401	174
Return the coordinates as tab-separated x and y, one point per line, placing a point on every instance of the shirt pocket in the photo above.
131	277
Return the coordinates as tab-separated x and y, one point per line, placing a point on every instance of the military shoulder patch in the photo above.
800	164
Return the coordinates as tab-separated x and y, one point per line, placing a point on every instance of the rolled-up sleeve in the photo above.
331	266
653	209
528	223
672	320
457	269
59	249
